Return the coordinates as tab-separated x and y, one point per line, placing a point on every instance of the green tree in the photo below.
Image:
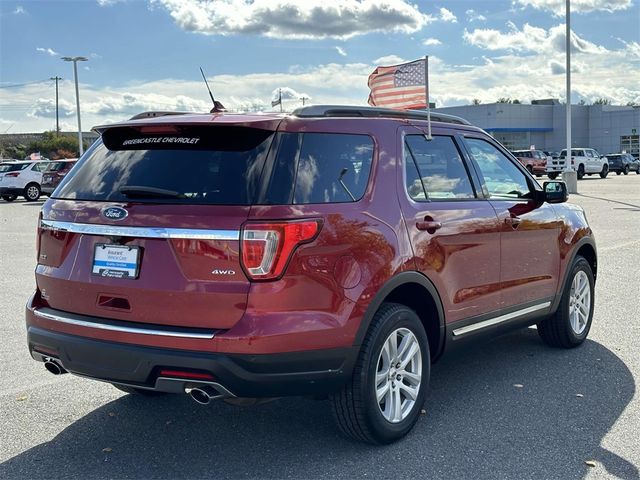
476	101
55	146
602	101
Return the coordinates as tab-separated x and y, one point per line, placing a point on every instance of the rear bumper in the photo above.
266	375
11	191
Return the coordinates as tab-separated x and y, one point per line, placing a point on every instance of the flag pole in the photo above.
426	87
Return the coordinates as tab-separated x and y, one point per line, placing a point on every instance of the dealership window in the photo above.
630	144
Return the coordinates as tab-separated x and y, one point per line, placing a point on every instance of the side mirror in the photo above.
555	192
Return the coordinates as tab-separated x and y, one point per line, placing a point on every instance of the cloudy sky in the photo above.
145	54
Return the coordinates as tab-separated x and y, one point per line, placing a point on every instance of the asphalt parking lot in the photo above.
511	408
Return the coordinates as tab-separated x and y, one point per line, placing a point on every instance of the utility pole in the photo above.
304	99
569	175
280	98
56	78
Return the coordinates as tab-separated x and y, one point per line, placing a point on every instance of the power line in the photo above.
14	85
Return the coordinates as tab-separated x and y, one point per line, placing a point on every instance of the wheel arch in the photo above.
586	248
417	292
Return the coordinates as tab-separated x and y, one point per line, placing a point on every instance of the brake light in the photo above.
12	174
38	233
267	247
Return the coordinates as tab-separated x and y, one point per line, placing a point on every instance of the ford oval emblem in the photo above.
114	213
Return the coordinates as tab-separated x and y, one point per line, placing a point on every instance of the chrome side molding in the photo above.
500	319
140	232
73	320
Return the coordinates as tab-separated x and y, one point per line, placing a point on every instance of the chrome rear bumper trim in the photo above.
122	329
140	232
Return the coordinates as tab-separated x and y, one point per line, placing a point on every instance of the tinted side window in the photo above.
501	176
442	174
332	168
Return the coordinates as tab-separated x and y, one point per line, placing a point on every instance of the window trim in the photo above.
478	193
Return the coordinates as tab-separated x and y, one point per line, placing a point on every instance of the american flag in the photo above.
400	86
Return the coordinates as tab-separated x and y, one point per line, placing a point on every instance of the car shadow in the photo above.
511	408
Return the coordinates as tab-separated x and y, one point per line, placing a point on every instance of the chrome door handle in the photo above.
513	221
429	225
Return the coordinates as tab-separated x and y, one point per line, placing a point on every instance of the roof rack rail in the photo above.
154	114
373	112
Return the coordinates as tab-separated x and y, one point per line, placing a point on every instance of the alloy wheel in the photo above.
579	302
398	375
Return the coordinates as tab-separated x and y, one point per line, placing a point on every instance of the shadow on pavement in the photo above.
508	409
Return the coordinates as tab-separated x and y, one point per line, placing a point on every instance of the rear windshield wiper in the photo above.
134	191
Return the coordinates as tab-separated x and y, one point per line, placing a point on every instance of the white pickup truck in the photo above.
583	160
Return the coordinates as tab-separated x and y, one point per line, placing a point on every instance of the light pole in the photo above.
75	61
569	175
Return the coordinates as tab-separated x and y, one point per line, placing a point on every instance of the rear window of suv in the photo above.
184	165
13	167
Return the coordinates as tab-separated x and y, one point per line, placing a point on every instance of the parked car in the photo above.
331	252
21	178
54	173
533	160
623	163
585	161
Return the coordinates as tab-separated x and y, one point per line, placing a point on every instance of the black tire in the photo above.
356	407
626	170
9	198
138	391
618	173
552	176
556	330
580	171
31	192
605	171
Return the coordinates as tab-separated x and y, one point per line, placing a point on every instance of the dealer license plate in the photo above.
116	261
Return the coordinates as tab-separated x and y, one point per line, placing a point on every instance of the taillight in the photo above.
38	233
267	247
12	174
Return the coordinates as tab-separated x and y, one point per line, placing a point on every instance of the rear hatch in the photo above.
146	227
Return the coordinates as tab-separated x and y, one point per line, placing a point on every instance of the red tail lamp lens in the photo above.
185	374
267	247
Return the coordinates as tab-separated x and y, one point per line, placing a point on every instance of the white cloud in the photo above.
108	3
530	39
95	55
46	107
295	19
473	16
48	51
427	42
447	16
19	10
524	74
289	93
557	7
341	51
389	60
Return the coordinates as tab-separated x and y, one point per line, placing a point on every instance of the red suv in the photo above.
54	173
335	251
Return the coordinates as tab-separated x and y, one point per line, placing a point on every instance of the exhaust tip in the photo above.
199	395
53	367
